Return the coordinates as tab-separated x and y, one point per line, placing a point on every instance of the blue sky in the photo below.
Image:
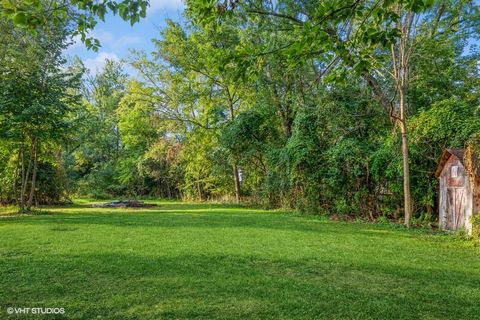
117	36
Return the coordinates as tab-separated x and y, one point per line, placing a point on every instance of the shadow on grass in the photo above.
165	263
188	219
219	218
173	205
115	285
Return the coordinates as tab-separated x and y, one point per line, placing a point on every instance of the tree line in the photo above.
332	107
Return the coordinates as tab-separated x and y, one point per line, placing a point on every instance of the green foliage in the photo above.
446	124
247	134
307	171
284	104
476	227
97	152
38	101
35	14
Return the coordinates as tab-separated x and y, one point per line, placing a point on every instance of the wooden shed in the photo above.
459	194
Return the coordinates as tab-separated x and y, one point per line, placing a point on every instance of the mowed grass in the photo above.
191	261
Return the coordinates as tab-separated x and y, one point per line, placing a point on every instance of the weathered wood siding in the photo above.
455	197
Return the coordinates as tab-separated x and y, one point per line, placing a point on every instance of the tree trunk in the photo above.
406	176
22	179
236	175
406	166
401	58
199	189
13	196
401	120
34	175
117	141
25	176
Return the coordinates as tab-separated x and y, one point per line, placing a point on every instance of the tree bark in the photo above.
22	179
437	19
34	175
406	175
14	197
402	77
25	176
406	166
236	175
199	190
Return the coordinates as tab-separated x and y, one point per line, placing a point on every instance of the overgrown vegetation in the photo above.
338	107
476	228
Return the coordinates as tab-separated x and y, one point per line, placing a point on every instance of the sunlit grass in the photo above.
208	261
8	210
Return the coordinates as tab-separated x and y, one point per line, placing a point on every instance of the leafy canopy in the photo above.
84	14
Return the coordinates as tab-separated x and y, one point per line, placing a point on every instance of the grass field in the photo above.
189	261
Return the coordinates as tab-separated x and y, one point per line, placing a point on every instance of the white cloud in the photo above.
102	35
156	5
97	63
107	41
76	42
126	41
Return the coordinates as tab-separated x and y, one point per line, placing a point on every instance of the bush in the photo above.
383	219
476	227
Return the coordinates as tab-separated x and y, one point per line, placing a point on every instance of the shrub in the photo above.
383	219
476	227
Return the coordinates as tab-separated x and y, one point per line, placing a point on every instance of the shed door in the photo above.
456	208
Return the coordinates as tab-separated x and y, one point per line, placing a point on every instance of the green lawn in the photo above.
184	261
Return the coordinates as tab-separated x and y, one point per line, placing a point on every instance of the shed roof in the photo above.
458	153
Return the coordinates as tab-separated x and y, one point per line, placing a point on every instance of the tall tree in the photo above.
201	63
38	92
346	36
